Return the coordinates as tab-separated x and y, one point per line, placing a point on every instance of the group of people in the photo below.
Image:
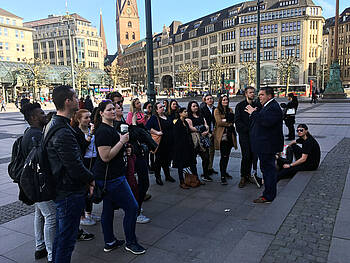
99	148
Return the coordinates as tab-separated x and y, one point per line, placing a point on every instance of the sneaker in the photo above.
141	219
87	221
255	180
224	181
207	178
136	249
242	182
262	200
84	236
115	245
40	254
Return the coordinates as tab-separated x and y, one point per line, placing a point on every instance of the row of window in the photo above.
2	58
133	36
93	54
228	35
290	40
291	26
7	21
228	48
269	55
266	29
273	15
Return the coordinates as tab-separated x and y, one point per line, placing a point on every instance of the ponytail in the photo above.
98	118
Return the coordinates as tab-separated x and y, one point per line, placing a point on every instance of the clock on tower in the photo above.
127	23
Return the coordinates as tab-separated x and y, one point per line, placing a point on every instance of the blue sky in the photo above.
163	11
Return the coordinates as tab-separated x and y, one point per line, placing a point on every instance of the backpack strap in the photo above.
51	132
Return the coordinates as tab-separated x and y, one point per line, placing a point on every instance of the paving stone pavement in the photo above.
306	234
213	223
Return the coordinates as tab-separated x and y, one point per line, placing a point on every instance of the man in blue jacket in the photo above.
266	135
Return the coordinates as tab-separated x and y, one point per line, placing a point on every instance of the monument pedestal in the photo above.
334	88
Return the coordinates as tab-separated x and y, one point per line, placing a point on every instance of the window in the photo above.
52	55
127	35
17	47
204	41
16	33
133	35
204	52
129	24
1	47
6	46
194	43
209	28
22	34
193	33
213	39
51	44
23	48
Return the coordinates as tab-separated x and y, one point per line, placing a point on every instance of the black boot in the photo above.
159	180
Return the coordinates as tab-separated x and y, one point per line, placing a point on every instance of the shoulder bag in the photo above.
99	193
157	138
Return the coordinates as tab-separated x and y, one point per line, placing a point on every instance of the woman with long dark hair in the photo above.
199	128
159	124
184	155
109	171
81	123
172	112
224	135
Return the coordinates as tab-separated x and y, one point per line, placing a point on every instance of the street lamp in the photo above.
151	95
258	48
68	18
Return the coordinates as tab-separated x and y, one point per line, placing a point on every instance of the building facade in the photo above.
134	59
343	44
51	41
288	28
16	43
127	23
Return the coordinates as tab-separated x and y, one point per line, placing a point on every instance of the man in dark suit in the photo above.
207	111
242	123
266	135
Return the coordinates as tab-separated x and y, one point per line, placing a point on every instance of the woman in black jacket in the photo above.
289	115
183	155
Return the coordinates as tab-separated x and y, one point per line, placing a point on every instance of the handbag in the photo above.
191	180
157	138
99	193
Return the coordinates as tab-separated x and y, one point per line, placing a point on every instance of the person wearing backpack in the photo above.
45	212
72	178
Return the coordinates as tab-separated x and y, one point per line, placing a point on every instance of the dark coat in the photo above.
65	160
83	143
209	117
266	130
242	120
183	149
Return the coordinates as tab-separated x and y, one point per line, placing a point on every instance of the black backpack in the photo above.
36	180
15	167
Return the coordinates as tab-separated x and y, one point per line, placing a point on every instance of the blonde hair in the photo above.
132	105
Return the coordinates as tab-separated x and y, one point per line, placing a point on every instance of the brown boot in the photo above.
243	182
184	186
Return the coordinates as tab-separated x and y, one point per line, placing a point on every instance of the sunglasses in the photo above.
300	130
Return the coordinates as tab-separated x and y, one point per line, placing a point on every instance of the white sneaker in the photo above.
141	219
87	221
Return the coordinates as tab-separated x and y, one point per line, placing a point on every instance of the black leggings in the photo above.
205	161
225	150
161	162
141	168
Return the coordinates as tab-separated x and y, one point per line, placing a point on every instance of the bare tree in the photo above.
81	74
250	67
189	73
286	66
34	73
118	74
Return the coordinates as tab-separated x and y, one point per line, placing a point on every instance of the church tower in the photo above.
127	23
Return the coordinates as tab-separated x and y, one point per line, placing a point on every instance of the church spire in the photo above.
103	36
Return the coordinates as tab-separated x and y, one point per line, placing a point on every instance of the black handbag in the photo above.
99	193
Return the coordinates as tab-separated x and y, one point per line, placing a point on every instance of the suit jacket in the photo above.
209	117
266	130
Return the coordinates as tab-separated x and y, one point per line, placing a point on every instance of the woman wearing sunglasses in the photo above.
307	157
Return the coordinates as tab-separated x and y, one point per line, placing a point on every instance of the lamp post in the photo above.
151	95
68	18
258	48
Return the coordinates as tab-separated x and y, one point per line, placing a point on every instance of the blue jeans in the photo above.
118	195
45	226
68	212
268	169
